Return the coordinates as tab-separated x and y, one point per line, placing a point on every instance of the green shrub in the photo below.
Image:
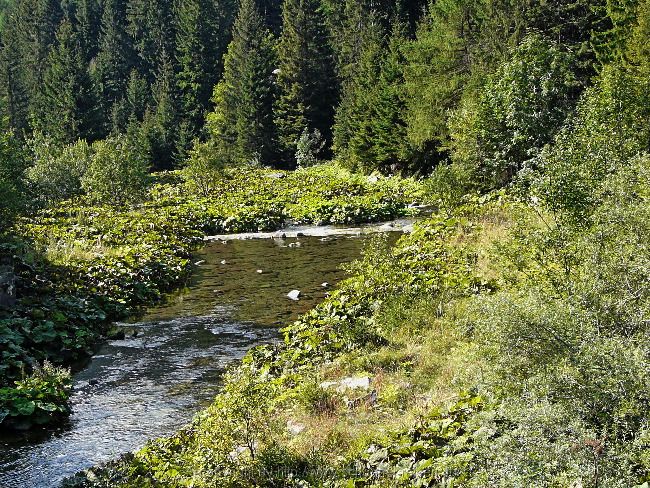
447	186
609	130
117	173
519	110
318	400
37	398
204	169
56	172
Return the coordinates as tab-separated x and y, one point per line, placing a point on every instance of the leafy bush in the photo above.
308	147
117	173
437	451
56	172
204	168
608	131
447	186
519	110
36	398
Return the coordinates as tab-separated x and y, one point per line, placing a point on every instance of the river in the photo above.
151	384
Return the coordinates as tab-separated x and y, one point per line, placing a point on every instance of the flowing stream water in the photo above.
151	384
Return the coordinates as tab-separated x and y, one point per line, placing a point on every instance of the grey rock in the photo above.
354	382
7	287
295	428
294	295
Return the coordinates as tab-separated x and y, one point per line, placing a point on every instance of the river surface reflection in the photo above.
151	384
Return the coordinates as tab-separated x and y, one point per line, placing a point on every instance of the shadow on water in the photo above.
151	384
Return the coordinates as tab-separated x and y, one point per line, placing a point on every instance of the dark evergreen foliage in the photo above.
385	84
242	125
65	101
306	76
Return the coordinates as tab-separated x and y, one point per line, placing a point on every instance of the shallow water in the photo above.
149	385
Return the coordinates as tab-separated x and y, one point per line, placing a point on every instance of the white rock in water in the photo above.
223	262
199	263
294	427
352	383
259	271
325	285
294	294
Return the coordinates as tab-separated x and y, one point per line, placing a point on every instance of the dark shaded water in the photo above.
150	385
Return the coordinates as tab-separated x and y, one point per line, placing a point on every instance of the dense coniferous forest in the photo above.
381	85
505	340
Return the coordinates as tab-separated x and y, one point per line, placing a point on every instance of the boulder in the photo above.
408	229
349	383
326	385
116	333
354	382
295	428
7	287
294	295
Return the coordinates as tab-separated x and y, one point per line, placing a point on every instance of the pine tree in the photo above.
13	87
87	25
271	11
620	17
243	118
191	43
440	64
114	63
306	78
638	47
160	124
151	26
389	112
202	38
352	138
66	107
137	96
13	163
28	36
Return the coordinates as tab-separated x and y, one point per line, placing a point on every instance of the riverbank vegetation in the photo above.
503	343
81	265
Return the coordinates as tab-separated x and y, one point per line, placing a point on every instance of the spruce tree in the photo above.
114	63
202	36
66	107
160	124
13	86
151	26
87	17
389	110
352	137
271	11
439	66
137	96
243	117
306	77
28	36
